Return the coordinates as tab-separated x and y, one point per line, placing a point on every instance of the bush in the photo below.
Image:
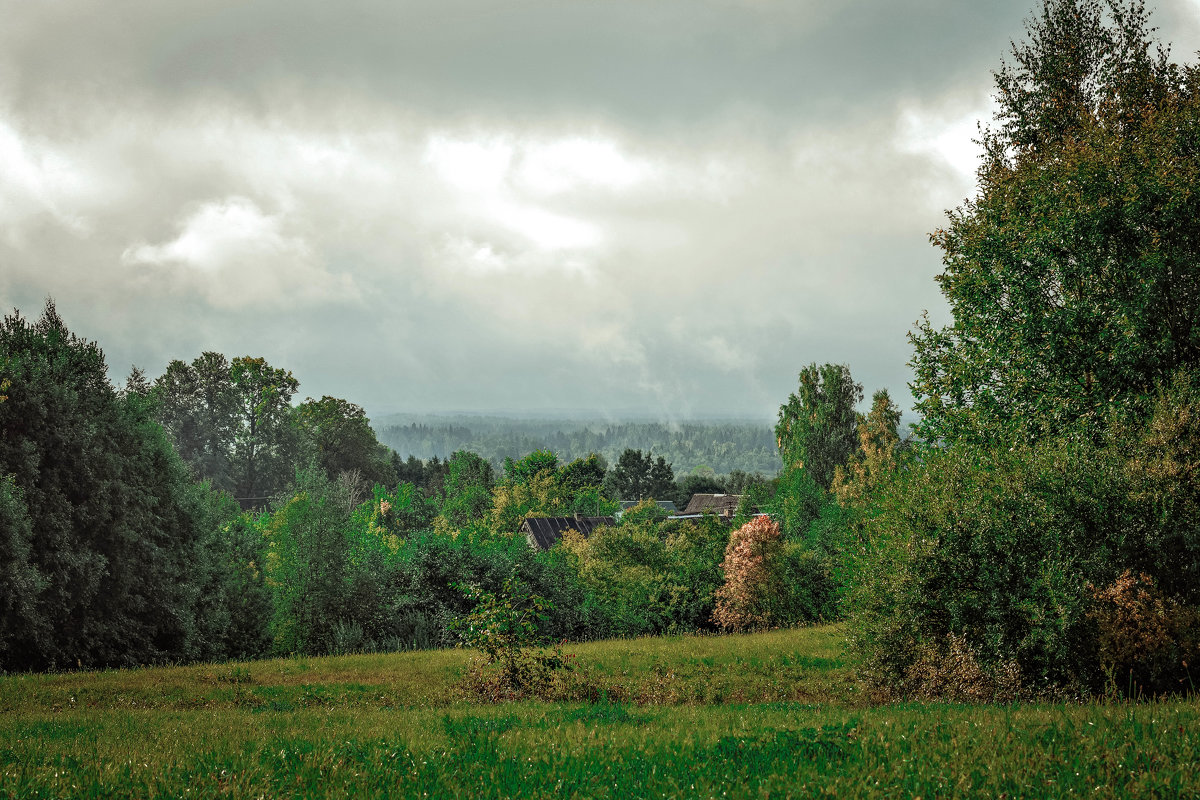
503	626
1004	548
995	548
751	571
1145	640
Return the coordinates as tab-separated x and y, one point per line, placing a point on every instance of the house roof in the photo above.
723	505
543	532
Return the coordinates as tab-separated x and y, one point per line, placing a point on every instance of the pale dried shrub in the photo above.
742	603
1145	640
950	670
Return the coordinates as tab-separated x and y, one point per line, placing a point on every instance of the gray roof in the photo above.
723	505
543	532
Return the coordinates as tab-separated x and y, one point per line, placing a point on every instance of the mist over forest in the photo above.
720	446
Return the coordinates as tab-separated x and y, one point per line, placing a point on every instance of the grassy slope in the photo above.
739	716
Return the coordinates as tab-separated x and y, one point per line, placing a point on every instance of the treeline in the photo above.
204	516
721	447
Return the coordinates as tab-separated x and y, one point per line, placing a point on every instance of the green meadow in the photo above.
761	715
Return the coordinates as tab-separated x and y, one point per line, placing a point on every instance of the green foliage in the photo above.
504	627
264	442
196	404
524	470
806	589
999	546
645	512
797	503
1072	274
468	489
694	484
306	564
994	547
646	577
98	510
584	474
639	476
536	486
20	580
818	426
338	435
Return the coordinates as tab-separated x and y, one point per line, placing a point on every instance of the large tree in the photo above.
265	442
338	435
1073	275
197	406
817	429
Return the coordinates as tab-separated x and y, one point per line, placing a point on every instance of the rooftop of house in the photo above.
543	532
723	505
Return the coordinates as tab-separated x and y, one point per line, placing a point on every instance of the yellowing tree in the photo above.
878	437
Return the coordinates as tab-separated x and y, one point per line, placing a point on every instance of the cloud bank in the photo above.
663	207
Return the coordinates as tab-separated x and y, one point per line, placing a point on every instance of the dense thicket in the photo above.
1043	539
103	532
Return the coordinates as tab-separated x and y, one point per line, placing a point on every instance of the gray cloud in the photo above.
670	206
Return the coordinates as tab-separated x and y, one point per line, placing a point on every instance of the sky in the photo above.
655	207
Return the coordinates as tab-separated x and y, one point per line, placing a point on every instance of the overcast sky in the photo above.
627	205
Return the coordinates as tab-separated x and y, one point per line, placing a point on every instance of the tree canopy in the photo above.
1073	275
818	426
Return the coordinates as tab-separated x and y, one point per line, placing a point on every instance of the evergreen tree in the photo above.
98	511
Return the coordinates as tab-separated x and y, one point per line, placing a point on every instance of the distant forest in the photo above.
722	445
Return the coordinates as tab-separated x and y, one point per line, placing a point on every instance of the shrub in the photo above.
750	567
504	628
1145	639
950	670
994	547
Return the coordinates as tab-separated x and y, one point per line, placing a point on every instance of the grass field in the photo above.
763	715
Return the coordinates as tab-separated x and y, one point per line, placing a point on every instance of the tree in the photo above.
197	407
1073	275
639	476
306	564
693	483
750	565
468	488
583	474
98	512
878	439
339	436
264	440
818	426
